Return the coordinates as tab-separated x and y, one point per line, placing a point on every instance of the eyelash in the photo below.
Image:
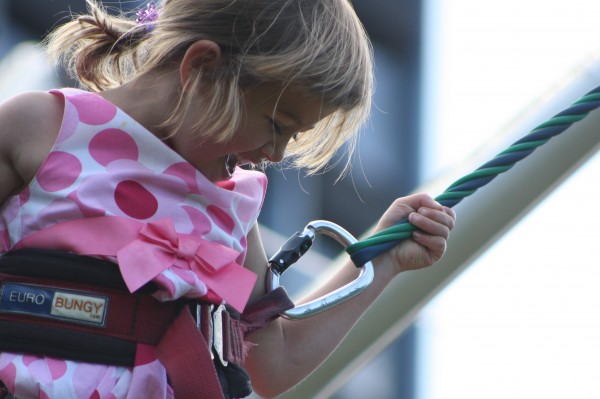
275	126
279	130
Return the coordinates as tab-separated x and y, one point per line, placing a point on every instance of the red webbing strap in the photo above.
265	309
234	348
185	354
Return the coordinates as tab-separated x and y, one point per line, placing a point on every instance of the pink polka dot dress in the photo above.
106	165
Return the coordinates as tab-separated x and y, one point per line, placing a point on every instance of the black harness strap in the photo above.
17	337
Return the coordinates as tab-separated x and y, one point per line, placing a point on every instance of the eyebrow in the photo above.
295	118
290	115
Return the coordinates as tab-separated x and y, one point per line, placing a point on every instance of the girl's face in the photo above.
272	118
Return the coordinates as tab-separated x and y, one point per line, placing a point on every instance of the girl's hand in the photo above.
434	223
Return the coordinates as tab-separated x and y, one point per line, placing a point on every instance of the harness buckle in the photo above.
217	333
214	329
207	329
297	246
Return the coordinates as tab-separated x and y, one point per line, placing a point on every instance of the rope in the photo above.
369	248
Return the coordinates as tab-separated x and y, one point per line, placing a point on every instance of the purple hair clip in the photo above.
147	16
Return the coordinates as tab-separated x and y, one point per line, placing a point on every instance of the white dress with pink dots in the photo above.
105	164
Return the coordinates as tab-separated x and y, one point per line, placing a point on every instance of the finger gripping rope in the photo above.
375	245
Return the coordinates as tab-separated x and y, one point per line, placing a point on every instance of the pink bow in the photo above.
144	250
158	247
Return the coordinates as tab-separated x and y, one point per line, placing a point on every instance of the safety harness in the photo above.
68	306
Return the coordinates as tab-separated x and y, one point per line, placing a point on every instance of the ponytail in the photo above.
99	50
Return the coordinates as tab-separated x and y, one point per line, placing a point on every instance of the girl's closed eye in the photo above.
279	129
276	127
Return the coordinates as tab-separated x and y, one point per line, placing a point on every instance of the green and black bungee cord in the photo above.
367	249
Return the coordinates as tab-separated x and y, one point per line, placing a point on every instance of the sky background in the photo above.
523	321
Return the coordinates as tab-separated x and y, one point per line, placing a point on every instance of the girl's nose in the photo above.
279	152
274	151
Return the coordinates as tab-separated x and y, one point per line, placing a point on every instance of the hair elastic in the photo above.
147	16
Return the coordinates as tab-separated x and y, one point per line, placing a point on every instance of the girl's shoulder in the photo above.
29	125
25	116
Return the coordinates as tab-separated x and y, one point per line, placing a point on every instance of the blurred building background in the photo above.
429	113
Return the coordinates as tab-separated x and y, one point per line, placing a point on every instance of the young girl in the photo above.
144	170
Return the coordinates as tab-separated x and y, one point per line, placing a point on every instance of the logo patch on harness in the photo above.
54	303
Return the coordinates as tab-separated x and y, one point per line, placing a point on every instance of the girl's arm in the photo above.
287	351
29	124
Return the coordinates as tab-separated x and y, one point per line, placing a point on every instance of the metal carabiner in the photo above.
297	246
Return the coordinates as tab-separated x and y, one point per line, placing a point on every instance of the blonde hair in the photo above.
319	46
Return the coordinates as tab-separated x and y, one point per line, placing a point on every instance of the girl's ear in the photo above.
201	54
